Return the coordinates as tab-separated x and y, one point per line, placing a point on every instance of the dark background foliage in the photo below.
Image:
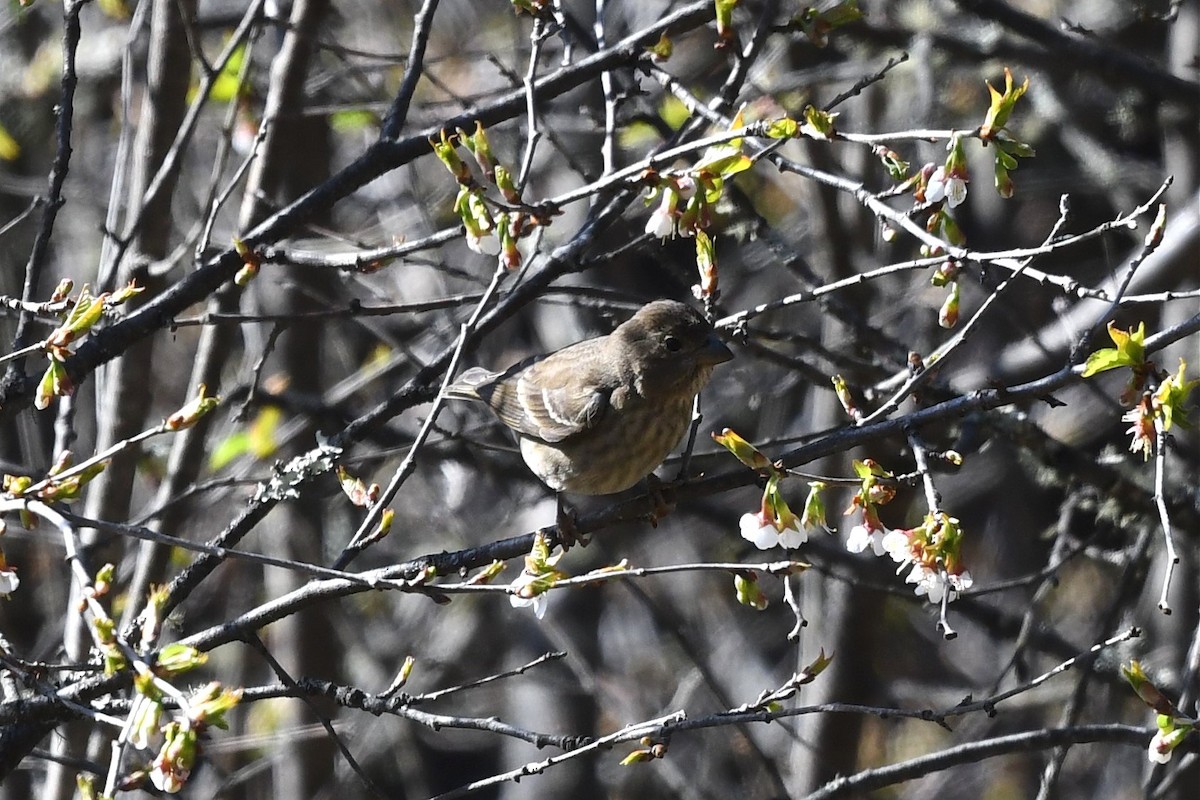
1063	536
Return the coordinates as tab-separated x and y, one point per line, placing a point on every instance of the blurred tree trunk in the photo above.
294	157
123	393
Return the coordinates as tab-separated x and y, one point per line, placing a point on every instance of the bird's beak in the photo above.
714	351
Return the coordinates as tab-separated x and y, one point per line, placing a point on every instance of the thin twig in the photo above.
54	202
938	357
257	645
361	537
1160	459
397	115
626	734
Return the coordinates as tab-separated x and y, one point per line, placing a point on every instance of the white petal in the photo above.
538	602
956	191
764	537
896	545
934	587
755	531
858	539
662	221
660	225
1158	753
791	538
486	245
935	189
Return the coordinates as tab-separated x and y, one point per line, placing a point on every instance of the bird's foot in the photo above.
662	499
568	531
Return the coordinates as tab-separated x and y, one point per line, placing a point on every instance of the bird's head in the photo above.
673	348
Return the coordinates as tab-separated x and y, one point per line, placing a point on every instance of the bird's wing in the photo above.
552	398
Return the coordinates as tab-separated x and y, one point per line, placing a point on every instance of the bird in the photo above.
597	416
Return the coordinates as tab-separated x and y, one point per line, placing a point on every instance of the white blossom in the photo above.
895	543
1160	749
793	536
662	221
951	188
146	725
934	584
861	537
483	243
758	531
537	601
167	779
8	581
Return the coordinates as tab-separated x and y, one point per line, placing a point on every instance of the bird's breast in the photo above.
625	447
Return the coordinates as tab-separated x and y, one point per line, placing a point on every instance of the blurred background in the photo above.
171	161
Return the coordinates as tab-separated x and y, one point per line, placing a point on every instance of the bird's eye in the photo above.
672	343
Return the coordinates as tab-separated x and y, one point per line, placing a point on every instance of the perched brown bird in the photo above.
599	415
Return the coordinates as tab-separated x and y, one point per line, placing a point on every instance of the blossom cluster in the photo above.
489	230
1154	409
172	766
537	578
931	550
775	524
875	489
1173	726
686	200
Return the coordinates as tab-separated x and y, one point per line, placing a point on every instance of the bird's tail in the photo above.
467	385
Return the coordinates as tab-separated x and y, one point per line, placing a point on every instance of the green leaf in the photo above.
818	124
1102	361
785	128
745	452
10	149
816	25
263	439
54	383
662	49
674	112
228	83
1010	145
232	446
353	121
1130	351
640	756
724	160
1001	106
1171	398
724	13
1146	690
637	134
816	667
